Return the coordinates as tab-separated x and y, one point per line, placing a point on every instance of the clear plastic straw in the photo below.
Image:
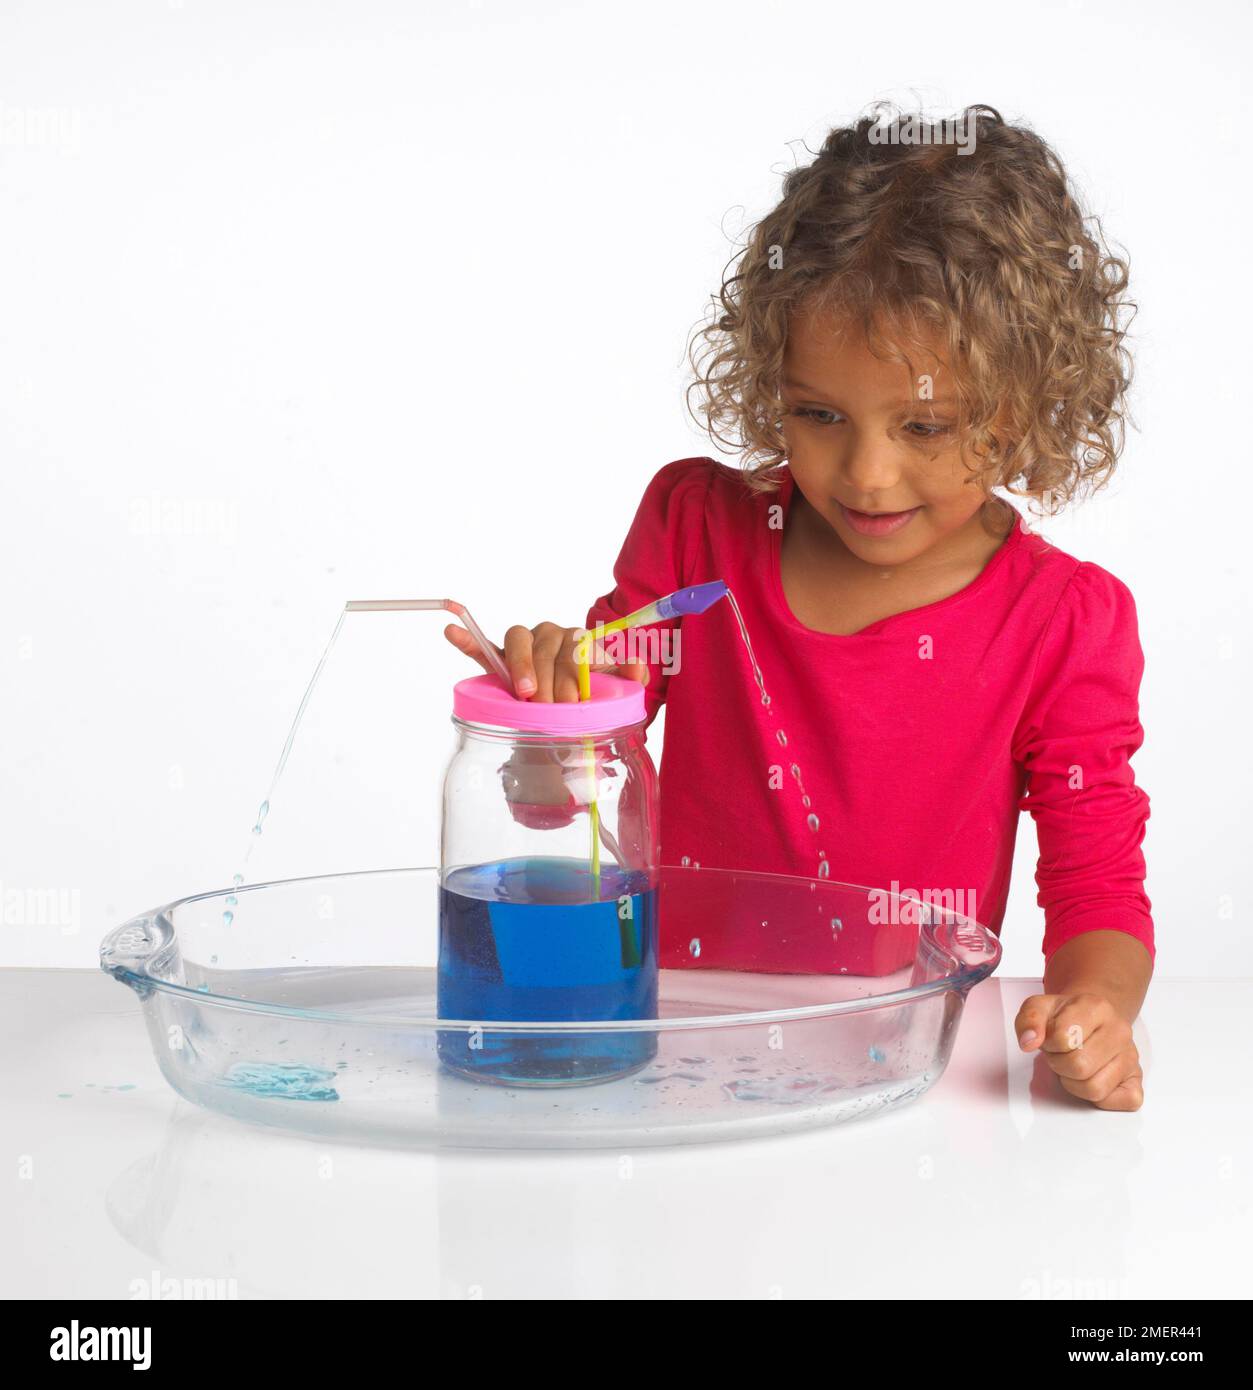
459	610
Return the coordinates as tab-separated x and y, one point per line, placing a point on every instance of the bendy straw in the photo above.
680	604
400	605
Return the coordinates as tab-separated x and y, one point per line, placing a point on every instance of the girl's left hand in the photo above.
1088	1044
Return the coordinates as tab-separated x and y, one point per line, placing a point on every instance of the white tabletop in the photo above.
994	1185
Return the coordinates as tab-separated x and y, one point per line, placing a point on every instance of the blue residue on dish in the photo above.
285	1080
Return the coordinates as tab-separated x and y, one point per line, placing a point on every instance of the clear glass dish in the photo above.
784	1004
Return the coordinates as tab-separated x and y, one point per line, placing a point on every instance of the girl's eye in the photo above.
819	417
920	430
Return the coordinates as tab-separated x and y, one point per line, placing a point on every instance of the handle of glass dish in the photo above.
963	950
128	951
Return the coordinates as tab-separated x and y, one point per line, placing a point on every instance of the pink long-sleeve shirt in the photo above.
917	740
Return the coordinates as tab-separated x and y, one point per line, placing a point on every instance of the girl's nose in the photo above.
872	465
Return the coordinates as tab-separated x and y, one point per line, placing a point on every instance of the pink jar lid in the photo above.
615	703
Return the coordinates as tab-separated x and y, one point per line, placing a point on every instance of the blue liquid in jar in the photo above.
523	939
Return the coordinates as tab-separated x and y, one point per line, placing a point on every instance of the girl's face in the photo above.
871	447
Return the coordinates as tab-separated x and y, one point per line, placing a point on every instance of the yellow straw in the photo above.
582	665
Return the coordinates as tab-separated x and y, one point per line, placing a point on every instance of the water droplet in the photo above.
213	960
765	699
796	772
237	880
686	860
765	924
231	900
782	737
824	869
836	924
227	918
696	864
806	803
813	821
256	829
263	811
876	1054
693	947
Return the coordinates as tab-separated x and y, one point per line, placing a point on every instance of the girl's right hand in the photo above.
541	660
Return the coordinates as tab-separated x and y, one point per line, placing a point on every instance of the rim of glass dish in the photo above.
963	979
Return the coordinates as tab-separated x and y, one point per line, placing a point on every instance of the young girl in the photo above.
915	324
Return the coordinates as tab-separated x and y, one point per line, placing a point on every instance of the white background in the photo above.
308	302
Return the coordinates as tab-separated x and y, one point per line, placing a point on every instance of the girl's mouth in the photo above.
877	523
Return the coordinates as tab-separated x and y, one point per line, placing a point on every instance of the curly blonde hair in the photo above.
899	229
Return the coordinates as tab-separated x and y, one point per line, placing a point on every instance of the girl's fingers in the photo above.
520	661
1087	1044
463	642
546	646
1060	1023
1096	1051
1081	1021
565	673
1118	1085
541	662
1127	1095
604	658
1032	1022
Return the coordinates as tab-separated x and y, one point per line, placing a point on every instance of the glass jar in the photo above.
548	883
